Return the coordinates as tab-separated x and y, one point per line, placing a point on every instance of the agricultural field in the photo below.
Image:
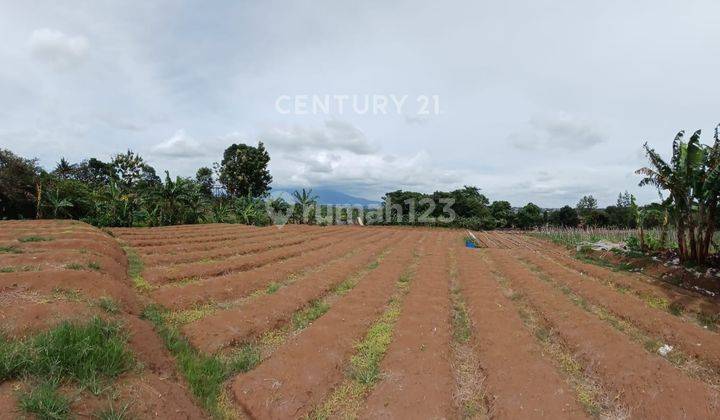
234	321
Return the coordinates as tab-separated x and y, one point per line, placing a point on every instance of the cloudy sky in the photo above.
539	101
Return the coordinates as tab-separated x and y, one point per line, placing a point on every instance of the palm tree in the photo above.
692	179
305	201
64	169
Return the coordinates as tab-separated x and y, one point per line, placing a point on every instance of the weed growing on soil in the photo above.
86	353
590	394
93	265
12	249
304	317
108	305
272	288
693	367
45	402
364	369
34	239
205	374
135	267
74	266
114	413
710	321
469	378
24	268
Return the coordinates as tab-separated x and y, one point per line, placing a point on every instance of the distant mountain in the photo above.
328	196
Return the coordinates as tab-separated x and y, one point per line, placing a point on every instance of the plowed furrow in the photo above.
205	238
638	282
521	380
417	377
649	385
240	284
224	250
269	311
691	338
304	370
245	262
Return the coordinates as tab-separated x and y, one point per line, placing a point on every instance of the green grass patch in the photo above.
45	402
205	374
93	265
88	353
365	364
11	249
108	305
710	321
135	268
460	319
114	413
303	318
272	288
74	266
34	239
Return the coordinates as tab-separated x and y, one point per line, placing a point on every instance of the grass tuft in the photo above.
34	239
12	249
108	305
303	318
272	288
135	268
46	402
74	266
205	374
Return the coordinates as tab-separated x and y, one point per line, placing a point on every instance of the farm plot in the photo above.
71	339
369	322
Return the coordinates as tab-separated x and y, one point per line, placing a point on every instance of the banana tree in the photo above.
692	179
57	204
305	201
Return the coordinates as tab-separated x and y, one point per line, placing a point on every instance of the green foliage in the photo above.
86	353
12	249
243	171
204	178
18	186
503	213
565	217
529	216
35	239
205	374
251	211
304	203
692	179
46	402
303	318
108	305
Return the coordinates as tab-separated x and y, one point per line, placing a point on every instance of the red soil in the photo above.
238	285
301	373
417	376
266	312
649	385
521	382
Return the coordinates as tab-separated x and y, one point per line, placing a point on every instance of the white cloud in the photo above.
334	135
180	145
56	48
557	131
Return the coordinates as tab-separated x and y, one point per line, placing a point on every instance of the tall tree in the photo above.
244	170
204	177
19	182
586	205
692	179
64	170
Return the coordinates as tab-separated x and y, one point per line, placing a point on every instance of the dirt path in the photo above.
269	311
417	377
302	372
521	381
649	385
